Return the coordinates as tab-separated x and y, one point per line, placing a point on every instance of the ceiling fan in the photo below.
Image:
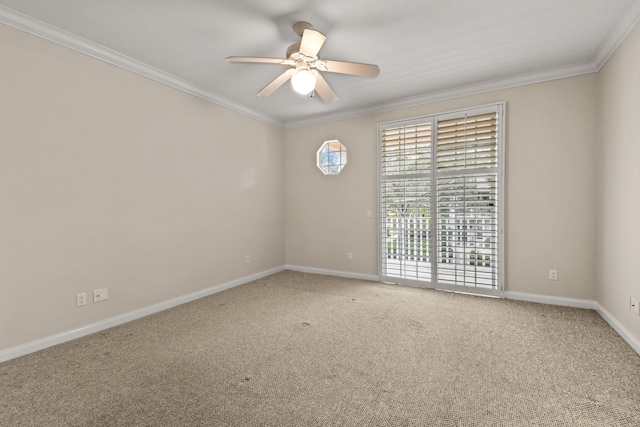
305	66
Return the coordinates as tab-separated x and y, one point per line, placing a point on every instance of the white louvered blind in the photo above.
440	206
405	196
467	200
468	142
406	150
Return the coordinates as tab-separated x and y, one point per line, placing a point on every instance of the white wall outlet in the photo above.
369	213
349	256
553	274
81	299
634	305
247	259
100	294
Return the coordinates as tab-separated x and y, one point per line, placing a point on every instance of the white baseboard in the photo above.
347	274
621	330
31	347
579	303
544	299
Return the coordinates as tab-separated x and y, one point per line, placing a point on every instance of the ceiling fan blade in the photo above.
257	60
276	83
353	68
311	43
324	90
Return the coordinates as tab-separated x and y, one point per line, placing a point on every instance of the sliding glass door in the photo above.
441	198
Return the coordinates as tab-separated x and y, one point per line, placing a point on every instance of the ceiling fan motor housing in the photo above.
299	27
294	48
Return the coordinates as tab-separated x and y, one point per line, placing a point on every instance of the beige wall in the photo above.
112	180
619	183
327	215
550	184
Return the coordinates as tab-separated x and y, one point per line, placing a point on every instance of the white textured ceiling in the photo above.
426	49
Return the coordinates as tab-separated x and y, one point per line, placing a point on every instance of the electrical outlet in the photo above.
349	256
247	259
100	294
634	306
81	299
553	274
369	213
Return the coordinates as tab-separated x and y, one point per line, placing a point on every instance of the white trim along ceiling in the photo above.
427	51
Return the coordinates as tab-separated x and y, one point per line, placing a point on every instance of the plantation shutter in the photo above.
441	199
467	200
405	163
468	142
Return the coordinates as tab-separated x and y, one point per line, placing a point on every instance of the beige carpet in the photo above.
298	349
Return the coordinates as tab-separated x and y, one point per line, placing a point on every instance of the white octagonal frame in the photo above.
331	158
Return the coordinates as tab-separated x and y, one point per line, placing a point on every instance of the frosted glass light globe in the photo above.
303	81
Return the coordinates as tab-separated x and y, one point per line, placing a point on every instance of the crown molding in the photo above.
617	35
55	35
457	92
45	31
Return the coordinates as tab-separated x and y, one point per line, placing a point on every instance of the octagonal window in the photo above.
332	157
